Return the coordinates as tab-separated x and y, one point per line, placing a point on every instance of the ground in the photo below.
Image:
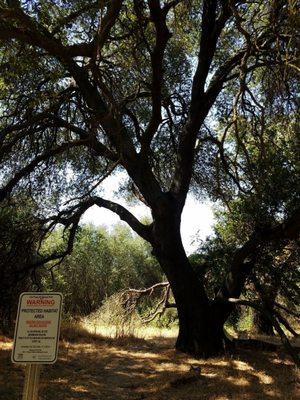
95	368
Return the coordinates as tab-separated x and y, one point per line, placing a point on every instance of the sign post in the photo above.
31	385
36	336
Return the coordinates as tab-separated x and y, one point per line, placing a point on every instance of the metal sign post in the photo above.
36	336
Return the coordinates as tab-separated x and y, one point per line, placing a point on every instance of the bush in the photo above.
112	313
167	320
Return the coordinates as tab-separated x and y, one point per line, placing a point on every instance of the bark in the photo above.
200	329
200	321
267	294
262	324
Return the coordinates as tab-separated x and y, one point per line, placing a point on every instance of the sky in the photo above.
196	223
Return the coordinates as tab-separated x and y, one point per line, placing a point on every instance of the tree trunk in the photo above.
262	325
200	321
267	295
200	329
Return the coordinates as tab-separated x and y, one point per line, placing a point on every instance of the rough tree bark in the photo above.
200	321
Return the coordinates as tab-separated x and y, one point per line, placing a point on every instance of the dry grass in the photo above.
86	329
138	331
92	367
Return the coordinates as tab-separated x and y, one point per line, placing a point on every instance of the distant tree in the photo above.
19	238
100	265
267	172
138	86
273	283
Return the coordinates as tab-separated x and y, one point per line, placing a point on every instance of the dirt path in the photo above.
154	371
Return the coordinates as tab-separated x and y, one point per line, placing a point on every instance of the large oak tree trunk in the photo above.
200	321
200	328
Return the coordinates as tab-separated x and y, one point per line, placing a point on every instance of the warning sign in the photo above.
37	328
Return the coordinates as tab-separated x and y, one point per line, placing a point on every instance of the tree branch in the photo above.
289	348
99	148
211	28
55	256
65	215
201	102
287	310
132	296
62	22
240	268
162	35
29	31
106	24
25	171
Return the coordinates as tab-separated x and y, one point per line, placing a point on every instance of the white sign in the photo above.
37	328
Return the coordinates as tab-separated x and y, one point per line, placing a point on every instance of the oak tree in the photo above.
92	87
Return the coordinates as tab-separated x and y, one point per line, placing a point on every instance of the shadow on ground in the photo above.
152	370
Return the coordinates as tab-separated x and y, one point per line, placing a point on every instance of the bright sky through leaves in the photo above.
195	215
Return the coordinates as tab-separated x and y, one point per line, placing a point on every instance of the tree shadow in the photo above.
100	370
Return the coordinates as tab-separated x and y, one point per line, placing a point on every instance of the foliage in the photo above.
19	238
101	264
112	314
168	319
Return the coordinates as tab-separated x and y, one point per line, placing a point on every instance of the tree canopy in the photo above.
181	95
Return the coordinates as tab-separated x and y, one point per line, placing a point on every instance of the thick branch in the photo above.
125	215
107	23
29	31
158	16
211	28
201	102
99	148
240	268
285	323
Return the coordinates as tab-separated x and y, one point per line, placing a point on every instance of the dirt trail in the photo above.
152	370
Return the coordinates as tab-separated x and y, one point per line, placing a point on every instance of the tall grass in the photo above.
113	321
